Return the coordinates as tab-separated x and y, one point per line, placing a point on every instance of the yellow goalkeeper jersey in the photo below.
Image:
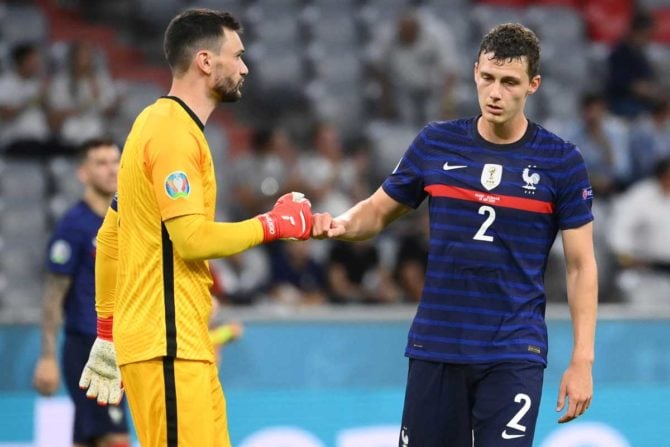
163	302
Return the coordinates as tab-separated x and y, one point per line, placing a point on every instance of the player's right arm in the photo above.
101	376
195	237
362	221
47	376
175	161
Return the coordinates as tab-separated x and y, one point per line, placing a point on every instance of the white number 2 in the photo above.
480	236
514	422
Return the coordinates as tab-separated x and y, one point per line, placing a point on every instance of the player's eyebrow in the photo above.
503	78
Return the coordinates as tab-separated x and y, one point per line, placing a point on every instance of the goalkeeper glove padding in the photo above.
290	218
101	376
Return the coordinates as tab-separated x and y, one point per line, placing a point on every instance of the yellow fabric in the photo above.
201	406
166	171
106	259
194	237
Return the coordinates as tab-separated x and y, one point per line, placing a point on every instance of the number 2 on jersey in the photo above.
480	235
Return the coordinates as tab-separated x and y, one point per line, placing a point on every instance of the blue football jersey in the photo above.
71	252
495	211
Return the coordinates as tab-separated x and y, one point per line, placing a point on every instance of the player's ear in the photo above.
203	60
534	84
476	70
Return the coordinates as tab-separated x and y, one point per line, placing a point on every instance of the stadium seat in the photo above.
23	23
271	65
63	171
26	218
507	3
565	61
22	180
556	24
662	24
157	13
575	4
607	20
484	17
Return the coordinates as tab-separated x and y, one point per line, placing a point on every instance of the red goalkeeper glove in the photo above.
290	218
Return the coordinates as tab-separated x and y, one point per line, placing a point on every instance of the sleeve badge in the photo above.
177	185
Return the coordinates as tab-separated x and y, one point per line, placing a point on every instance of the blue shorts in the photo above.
480	405
91	421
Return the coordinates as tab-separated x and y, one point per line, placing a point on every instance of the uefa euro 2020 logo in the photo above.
177	185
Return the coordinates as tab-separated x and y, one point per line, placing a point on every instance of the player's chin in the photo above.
233	96
494	118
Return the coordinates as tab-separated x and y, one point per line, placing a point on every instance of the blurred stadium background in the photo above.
317	367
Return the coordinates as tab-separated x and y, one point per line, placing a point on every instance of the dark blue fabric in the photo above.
483	299
91	421
71	252
448	404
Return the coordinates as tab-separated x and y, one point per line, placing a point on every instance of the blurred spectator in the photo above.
82	97
632	85
602	139
326	170
412	257
297	277
241	278
361	176
415	66
650	140
357	275
269	169
638	236
23	120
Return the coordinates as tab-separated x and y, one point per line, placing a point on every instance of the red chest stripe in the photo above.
519	203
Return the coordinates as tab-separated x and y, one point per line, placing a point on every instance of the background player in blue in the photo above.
500	187
70	290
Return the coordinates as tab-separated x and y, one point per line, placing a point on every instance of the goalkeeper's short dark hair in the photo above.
192	30
511	41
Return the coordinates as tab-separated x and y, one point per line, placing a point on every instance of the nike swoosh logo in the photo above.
448	167
506	435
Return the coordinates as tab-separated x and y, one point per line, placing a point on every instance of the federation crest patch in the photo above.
531	179
177	185
60	252
491	176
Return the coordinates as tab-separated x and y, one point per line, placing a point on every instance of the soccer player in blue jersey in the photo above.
70	292
500	188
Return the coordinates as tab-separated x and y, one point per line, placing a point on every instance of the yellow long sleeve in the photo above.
195	238
106	264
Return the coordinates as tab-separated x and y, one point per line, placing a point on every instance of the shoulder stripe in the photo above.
519	203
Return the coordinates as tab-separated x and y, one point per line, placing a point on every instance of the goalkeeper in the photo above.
152	276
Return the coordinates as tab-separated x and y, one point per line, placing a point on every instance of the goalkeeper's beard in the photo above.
228	91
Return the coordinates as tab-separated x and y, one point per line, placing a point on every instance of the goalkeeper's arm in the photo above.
101	376
195	237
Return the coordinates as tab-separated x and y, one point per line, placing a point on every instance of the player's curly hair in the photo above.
197	27
513	41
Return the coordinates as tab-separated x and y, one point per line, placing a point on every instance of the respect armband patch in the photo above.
177	185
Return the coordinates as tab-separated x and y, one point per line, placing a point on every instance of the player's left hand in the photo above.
577	386
101	376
